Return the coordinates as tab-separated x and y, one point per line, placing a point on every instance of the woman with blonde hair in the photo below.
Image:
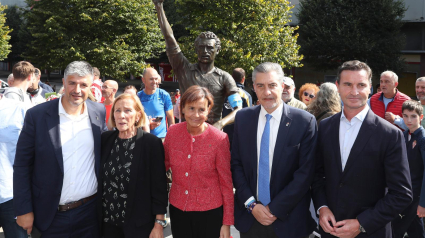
327	102
132	178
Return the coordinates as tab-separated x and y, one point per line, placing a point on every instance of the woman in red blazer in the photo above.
201	197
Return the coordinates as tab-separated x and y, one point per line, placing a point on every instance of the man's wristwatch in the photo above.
161	222
361	229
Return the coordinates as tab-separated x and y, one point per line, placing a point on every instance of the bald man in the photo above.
109	89
156	102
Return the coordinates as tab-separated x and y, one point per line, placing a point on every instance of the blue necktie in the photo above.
264	169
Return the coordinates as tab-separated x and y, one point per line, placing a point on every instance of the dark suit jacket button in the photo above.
341	184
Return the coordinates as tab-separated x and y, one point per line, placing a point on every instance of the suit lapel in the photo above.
366	131
334	140
282	137
252	144
53	125
96	129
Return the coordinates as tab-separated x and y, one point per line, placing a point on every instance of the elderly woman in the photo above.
308	93
132	179
327	102
201	197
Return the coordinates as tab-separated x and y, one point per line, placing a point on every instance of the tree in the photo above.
335	31
251	31
4	34
117	36
20	36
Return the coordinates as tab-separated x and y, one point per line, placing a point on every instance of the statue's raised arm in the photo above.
202	73
166	30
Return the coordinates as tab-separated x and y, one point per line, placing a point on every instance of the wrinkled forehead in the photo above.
387	77
420	83
152	75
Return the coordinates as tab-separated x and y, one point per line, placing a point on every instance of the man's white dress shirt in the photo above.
274	129
348	131
79	180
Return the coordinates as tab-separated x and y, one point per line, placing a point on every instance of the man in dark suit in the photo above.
57	161
362	179
273	162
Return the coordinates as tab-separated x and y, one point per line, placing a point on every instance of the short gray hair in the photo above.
268	67
10	77
327	99
421	79
393	75
80	68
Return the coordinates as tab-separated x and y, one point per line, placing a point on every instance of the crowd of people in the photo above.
86	162
73	167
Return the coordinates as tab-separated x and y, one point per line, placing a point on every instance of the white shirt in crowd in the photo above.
38	98
348	131
77	142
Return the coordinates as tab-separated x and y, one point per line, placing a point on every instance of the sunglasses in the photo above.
309	95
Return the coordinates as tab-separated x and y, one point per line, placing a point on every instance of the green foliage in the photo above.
4	34
251	31
335	31
117	36
20	36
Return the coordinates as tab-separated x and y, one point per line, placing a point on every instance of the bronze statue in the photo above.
203	73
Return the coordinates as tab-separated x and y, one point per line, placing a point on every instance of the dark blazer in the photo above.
147	194
38	167
375	184
416	158
291	175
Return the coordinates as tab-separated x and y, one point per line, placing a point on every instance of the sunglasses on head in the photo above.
309	95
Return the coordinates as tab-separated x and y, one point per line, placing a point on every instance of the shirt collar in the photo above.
360	116
239	85
418	131
63	112
276	114
214	70
381	97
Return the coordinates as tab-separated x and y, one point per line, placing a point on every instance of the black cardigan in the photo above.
147	192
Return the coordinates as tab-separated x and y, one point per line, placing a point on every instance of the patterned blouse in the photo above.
116	175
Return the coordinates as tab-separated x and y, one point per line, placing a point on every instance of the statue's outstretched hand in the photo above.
157	1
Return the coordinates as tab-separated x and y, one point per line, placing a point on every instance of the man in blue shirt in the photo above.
156	102
12	113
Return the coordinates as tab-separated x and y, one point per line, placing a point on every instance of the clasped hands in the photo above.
263	215
343	229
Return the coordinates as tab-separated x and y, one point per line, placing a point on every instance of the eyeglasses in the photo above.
309	95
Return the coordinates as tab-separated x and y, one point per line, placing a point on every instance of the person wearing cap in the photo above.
288	94
177	96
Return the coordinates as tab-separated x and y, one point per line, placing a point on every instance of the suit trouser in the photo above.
258	230
409	222
80	222
202	224
8	221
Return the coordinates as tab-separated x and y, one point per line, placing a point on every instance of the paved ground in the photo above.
167	232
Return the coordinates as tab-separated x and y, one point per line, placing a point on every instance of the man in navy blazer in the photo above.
362	179
57	161
273	162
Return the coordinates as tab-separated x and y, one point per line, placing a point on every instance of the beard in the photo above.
420	96
287	96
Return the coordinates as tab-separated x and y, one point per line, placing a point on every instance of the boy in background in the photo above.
410	220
